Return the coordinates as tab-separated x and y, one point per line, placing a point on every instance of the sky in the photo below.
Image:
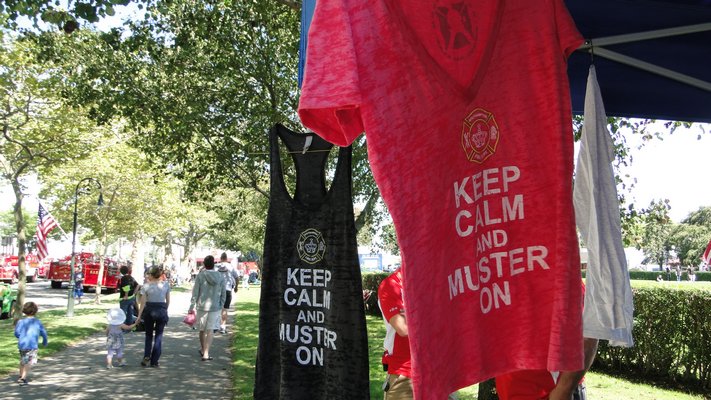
675	169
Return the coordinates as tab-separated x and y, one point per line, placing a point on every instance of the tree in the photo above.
239	222
217	77
692	235
390	239
138	202
51	12
38	130
656	232
7	223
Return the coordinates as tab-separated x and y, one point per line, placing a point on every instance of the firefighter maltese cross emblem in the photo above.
456	24
311	246
480	135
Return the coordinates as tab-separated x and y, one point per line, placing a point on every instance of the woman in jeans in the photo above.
155	298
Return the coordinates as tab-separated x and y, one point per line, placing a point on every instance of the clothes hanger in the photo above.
589	42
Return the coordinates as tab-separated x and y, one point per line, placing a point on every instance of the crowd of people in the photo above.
144	307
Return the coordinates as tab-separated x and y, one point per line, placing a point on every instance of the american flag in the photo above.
45	224
706	257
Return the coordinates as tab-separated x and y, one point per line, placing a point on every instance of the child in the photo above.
27	331
114	336
78	283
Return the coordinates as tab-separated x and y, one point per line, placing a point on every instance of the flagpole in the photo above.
50	214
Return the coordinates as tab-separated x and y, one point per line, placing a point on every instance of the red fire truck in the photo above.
9	271
60	271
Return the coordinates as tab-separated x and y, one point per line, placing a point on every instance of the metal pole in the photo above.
70	294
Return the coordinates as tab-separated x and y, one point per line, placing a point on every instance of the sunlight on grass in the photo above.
605	387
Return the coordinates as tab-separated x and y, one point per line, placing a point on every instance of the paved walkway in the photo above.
79	372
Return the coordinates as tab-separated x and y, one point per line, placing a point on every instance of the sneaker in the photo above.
223	331
109	366
145	361
23	382
122	364
156	365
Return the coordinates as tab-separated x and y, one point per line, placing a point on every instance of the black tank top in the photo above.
313	342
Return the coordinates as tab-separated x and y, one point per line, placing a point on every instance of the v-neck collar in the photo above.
451	38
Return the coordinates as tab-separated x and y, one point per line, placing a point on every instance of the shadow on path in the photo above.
79	372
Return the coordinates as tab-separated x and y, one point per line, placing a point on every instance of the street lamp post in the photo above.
70	295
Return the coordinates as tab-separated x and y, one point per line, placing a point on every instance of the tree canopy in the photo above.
216	77
196	85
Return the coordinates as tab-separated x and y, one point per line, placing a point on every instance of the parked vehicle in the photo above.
9	270
8	273
8	297
43	267
60	271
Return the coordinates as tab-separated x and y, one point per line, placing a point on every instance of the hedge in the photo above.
672	333
652	275
371	281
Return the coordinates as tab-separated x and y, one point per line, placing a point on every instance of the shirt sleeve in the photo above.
330	103
196	293
17	328
43	332
390	296
568	35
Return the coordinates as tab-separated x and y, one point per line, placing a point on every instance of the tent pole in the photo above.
639	36
655	69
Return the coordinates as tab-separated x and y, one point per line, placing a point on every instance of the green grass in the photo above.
600	386
62	331
683	285
605	387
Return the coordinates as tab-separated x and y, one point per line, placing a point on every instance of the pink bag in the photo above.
190	318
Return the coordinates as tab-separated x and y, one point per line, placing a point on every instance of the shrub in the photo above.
672	332
652	275
371	281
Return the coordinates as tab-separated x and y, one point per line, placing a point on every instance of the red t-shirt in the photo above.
391	304
524	385
467	111
528	384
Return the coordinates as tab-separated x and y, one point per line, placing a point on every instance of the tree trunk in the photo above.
487	390
138	258
21	248
365	215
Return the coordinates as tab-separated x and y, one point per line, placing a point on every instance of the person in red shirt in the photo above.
396	358
542	384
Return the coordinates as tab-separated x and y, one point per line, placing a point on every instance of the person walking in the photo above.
230	275
78	283
155	300
245	279
208	299
115	329
127	294
28	331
